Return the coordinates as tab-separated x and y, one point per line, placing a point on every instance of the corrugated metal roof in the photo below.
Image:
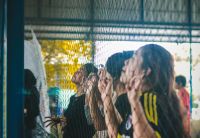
134	20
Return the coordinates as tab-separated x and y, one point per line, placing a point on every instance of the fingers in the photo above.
102	73
92	81
104	79
133	89
136	82
109	85
52	121
50	124
48	117
92	84
93	76
63	120
130	85
102	85
47	121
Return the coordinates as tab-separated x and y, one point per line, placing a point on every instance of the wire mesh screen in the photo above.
124	20
93	72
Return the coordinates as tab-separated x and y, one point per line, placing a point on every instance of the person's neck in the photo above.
145	87
79	90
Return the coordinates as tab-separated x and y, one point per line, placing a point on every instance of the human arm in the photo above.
142	129
141	126
112	117
92	95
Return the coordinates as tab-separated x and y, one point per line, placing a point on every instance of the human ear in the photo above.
147	72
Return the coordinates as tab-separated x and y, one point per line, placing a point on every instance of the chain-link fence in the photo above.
73	33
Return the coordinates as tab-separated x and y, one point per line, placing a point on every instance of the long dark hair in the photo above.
30	79
31	99
161	81
161	63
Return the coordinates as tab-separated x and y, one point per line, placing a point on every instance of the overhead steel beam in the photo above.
63	20
109	33
116	26
112	39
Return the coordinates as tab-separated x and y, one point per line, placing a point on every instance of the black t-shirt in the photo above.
77	126
31	104
123	107
160	114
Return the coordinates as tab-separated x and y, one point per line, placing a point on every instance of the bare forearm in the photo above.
111	119
141	127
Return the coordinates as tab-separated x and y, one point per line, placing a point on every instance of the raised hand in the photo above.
134	89
91	82
105	83
90	86
53	121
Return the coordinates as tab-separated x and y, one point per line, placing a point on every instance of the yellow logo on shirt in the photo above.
150	108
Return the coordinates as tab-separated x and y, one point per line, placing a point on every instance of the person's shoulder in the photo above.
149	95
151	98
183	92
72	97
186	91
79	99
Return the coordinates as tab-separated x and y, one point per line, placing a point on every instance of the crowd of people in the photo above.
132	96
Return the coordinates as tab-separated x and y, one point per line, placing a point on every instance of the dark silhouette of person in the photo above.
31	103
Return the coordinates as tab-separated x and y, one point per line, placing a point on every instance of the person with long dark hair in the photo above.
31	103
116	105
149	81
75	118
77	125
149	78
